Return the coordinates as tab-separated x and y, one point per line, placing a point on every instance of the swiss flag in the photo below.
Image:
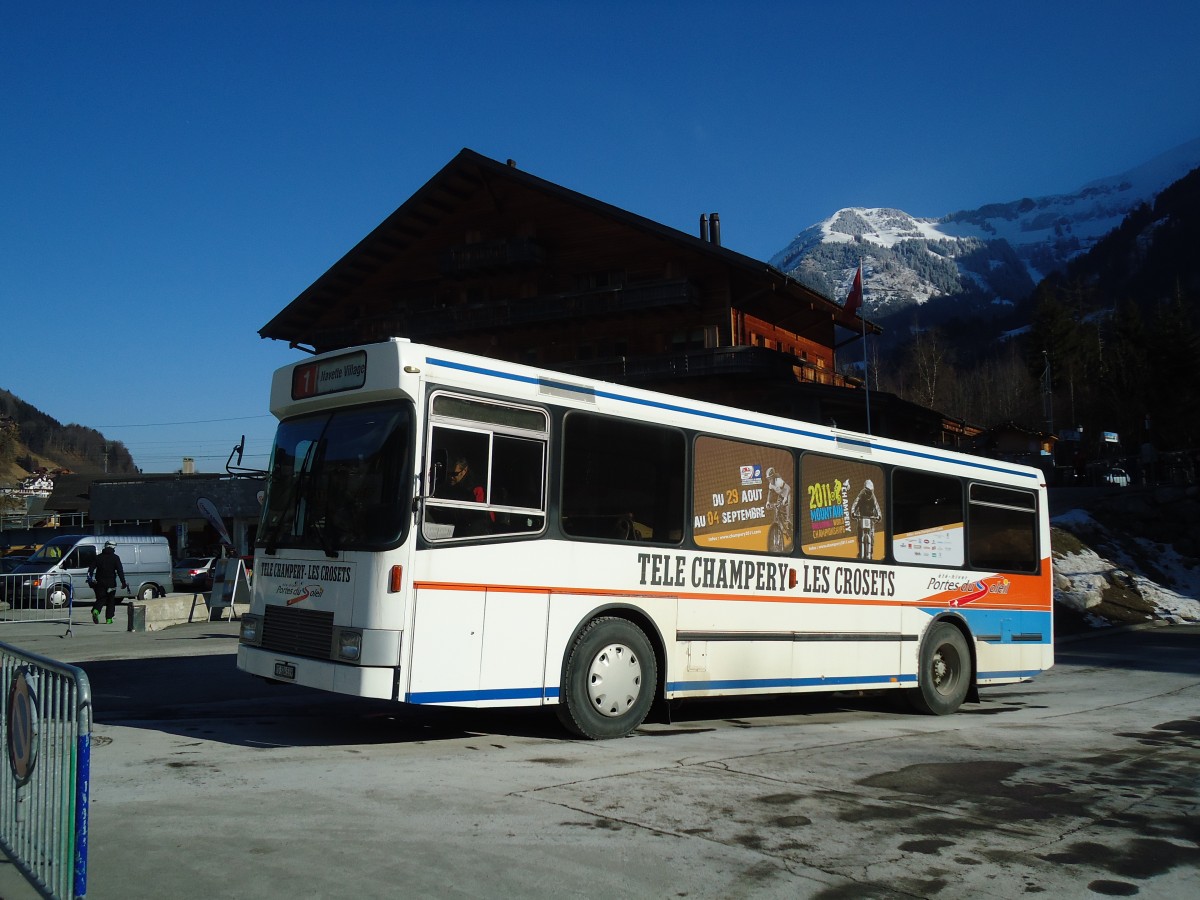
855	298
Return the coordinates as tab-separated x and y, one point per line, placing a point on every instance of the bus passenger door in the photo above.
478	646
514	645
447	644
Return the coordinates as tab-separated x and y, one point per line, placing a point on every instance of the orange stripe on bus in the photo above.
943	599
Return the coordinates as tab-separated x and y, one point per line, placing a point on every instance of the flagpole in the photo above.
866	364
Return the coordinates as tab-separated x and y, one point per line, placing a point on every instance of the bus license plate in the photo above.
285	670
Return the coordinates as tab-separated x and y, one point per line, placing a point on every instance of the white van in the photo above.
64	560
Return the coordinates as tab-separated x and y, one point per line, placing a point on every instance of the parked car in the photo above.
8	563
1118	476
193	573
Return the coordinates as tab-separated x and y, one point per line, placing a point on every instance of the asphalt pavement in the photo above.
207	783
85	641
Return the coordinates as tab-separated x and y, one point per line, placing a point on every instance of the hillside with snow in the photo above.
1106	574
906	261
983	260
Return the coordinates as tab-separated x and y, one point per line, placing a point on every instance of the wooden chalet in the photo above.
488	259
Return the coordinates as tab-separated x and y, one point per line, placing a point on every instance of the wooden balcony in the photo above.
430	323
491	256
719	361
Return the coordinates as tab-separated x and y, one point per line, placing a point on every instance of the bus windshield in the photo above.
340	480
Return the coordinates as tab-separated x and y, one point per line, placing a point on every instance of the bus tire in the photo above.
944	675
609	680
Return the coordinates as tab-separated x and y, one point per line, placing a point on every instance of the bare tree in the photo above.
929	357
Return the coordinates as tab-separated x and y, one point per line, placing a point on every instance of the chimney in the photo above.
703	227
715	228
189	465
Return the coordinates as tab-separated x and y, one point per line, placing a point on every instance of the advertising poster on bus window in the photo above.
938	545
742	496
841	508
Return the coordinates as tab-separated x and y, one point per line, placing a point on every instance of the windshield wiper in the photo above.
327	544
291	505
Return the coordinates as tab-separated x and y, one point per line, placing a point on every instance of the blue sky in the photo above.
172	174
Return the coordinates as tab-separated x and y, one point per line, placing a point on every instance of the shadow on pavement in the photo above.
1165	649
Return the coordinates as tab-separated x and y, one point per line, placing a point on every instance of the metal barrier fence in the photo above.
46	717
33	598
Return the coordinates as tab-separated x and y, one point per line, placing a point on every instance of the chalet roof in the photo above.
359	283
173	497
71	494
160	496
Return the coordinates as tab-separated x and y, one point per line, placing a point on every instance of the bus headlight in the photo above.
349	645
251	629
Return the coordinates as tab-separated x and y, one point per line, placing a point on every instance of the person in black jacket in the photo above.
462	485
102	576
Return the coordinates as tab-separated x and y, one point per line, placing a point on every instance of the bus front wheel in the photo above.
609	680
944	676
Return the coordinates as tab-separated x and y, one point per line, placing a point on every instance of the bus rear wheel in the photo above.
944	676
609	680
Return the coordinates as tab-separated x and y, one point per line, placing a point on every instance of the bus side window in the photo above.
487	470
518	480
927	518
841	503
622	480
742	496
1002	529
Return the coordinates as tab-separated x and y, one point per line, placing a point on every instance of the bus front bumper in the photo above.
376	682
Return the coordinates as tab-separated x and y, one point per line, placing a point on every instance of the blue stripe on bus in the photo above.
1000	625
433	697
531	693
761	683
673	407
609	395
729	684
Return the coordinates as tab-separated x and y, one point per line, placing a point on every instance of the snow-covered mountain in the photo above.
989	257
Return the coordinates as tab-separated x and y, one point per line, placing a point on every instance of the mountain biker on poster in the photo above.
865	510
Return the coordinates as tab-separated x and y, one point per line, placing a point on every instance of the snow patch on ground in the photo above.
1084	578
1080	578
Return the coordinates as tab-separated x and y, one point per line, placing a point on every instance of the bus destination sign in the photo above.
328	376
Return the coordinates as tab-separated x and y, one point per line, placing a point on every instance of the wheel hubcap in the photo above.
944	672
614	680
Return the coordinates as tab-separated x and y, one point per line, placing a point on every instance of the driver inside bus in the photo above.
461	485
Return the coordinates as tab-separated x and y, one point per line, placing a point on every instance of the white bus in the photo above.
441	528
